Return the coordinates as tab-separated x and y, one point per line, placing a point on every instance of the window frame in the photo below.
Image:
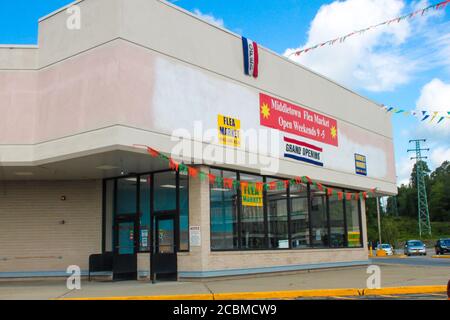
138	205
289	213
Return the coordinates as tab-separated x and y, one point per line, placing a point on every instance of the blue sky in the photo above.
405	65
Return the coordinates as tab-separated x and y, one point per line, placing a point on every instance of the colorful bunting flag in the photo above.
422	115
438	6
229	183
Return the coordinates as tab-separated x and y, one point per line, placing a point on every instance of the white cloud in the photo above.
380	59
439	155
403	169
209	18
435	96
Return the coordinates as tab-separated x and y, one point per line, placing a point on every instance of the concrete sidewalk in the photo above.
355	277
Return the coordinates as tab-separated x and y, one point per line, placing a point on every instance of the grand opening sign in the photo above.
287	117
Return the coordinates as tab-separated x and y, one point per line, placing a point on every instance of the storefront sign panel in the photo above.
229	130
360	164
287	117
252	197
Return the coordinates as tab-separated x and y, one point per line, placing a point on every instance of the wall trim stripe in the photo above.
236	272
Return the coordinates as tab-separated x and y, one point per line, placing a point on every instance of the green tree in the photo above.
439	203
425	170
405	226
389	231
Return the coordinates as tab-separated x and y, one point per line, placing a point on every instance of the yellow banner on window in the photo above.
251	197
354	239
229	130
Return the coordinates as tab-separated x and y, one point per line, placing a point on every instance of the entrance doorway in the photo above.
125	258
164	256
146	213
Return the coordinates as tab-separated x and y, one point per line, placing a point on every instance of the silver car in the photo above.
415	247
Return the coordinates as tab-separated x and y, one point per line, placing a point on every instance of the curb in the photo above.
441	257
395	256
282	294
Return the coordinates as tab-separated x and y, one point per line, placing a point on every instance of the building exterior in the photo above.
141	72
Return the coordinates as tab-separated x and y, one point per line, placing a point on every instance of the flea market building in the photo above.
75	183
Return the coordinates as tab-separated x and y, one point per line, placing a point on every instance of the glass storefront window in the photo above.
300	236
126	196
253	234
184	212
353	223
165	191
319	220
337	224
144	212
224	222
277	215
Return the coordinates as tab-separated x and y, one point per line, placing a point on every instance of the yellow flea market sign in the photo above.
251	197
354	239
229	131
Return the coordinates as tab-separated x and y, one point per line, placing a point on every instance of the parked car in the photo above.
442	246
415	247
386	248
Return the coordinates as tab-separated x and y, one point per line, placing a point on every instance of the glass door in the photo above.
165	241
125	237
164	256
126	222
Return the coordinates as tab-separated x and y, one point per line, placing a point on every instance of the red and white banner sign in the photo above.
287	117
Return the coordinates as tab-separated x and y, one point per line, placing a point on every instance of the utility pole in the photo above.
378	220
422	202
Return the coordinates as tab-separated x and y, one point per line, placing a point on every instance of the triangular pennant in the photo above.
228	183
192	172
152	152
203	176
212	178
173	165
259	186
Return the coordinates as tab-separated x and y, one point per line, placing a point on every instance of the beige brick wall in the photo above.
32	235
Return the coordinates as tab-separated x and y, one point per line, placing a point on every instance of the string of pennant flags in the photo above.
277	185
422	115
421	12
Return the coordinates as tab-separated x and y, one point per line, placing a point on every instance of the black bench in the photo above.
100	262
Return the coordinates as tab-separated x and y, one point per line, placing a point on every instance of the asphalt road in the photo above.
415	261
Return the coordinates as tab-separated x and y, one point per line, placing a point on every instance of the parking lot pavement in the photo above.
392	275
414	260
